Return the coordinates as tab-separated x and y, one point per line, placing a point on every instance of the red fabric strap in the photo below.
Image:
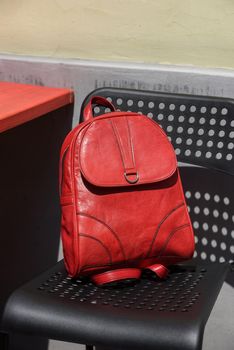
116	275
98	100
160	270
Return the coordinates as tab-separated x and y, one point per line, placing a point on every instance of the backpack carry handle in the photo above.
96	100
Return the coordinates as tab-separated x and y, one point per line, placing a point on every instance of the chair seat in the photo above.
147	314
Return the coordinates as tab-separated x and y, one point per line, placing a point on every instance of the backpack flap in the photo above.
126	150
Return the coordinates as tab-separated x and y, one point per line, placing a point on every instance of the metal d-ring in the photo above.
129	180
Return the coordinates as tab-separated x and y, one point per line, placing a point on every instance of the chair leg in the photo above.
4	341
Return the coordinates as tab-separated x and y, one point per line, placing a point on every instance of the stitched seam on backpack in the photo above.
118	142
131	142
160	224
111	230
170	237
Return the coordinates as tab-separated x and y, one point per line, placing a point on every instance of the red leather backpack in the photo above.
123	207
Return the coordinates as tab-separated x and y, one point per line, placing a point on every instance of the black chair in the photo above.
151	314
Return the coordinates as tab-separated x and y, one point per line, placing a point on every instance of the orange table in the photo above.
20	103
34	121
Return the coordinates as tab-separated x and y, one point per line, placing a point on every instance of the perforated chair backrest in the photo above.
201	130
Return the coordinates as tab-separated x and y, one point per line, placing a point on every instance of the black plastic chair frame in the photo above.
151	314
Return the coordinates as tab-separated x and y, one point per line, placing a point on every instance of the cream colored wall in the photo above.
193	32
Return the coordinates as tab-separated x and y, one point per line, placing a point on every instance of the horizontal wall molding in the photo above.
85	76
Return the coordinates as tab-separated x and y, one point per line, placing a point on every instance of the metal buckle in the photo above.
129	180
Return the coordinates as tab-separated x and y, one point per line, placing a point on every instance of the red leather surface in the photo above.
109	223
160	270
120	137
116	275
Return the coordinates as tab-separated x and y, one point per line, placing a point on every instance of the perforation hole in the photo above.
203	255
189	142
212	121
196	210
210	143
160	116
193	109
208	155
220	144
199	142
203	109
213	243
200	132
216	198
191	120
190	131
187	152
119	101
182	108
229	156
214	228
161	105
226	200
178	140
224	111
202	121
211	132
169	128
172	107
230	145
218	155
130	103
212	258
97	110
231	134
221	133
180	130
223	246
170	118
198	154
140	104
223	122
177	151
206	211
181	119
225	215
151	104
197	195
150	115
205	226
213	110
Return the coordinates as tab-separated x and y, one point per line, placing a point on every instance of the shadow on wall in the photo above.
30	212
